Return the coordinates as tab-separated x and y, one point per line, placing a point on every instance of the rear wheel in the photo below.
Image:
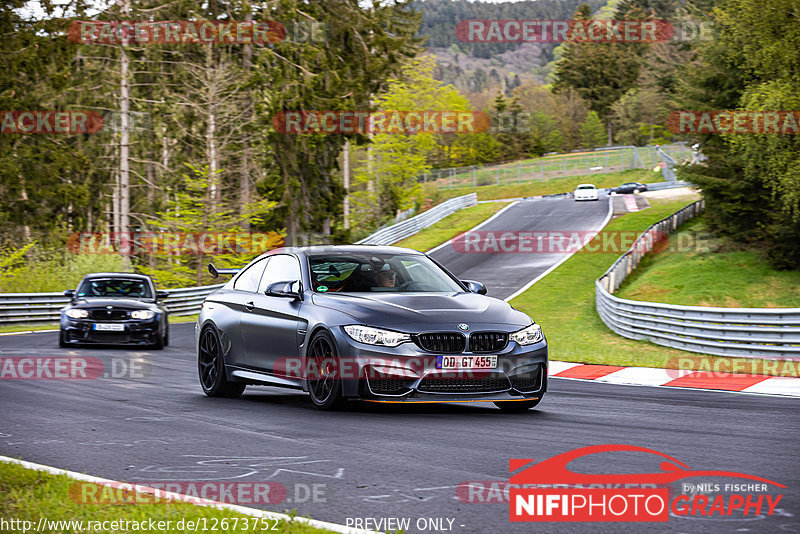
635	191
517	405
325	385
211	368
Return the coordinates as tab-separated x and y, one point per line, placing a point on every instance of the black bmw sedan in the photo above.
381	324
115	309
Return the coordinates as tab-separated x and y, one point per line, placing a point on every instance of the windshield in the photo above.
115	287
356	273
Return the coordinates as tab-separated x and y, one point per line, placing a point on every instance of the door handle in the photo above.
249	305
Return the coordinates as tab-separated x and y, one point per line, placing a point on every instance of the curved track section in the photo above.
507	270
386	461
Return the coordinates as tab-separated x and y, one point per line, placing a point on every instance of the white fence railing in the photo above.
396	232
772	333
29	308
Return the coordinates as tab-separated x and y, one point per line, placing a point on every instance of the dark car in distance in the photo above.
115	309
381	324
628	188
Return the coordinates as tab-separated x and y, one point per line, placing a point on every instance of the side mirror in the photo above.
474	287
290	289
161	295
69	293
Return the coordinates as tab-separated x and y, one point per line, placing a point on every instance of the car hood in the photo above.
99	302
415	312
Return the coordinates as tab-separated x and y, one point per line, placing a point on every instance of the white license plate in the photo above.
109	327
466	362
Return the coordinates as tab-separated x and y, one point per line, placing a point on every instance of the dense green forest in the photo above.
188	142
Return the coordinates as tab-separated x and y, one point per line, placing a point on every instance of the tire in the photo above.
159	344
166	335
62	339
517	406
211	368
635	191
325	393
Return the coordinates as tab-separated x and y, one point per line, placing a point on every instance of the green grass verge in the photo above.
28	495
176	319
564	304
553	185
451	226
28	328
698	269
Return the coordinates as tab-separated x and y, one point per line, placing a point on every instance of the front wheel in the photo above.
159	342
211	367
517	406
62	339
324	384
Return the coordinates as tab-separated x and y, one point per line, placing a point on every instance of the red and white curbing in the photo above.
677	378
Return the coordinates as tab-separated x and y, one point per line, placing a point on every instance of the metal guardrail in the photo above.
396	232
24	308
772	333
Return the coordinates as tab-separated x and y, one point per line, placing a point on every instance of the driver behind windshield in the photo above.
378	271
387	278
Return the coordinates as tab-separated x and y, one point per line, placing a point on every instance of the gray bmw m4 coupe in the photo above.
380	324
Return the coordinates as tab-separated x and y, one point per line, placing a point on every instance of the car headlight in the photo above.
76	313
143	314
528	335
376	336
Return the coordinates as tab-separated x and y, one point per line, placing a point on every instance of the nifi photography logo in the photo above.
549	491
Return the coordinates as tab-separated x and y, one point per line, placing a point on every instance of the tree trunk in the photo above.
244	175
346	180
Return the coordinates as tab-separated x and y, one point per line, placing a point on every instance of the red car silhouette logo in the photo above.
554	470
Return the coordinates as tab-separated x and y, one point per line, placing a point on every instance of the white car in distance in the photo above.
586	192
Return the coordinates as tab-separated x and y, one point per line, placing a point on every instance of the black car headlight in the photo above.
376	336
528	335
76	313
143	314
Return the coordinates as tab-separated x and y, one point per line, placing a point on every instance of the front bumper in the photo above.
407	374
136	332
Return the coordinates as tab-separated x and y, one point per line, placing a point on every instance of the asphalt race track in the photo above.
389	461
506	272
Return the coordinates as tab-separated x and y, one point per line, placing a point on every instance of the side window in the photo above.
281	268
248	280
